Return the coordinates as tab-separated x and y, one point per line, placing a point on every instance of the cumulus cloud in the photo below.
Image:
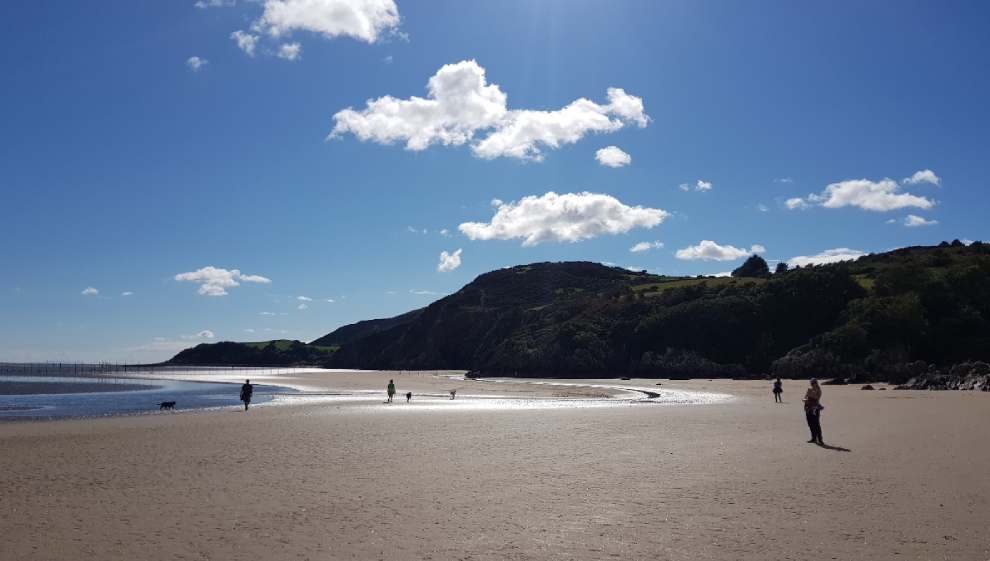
926	176
289	51
762	208
267	313
570	217
703	186
709	250
248	330
90	291
913	221
330	300
245	41
205	334
196	63
213	3
444	232
303	306
422	292
827	256
304	298
645	246
215	281
684	187
868	195
364	20
461	103
613	157
449	262
127	293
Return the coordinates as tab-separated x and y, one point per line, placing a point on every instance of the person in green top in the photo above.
391	390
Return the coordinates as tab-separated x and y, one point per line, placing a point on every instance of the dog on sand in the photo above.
166	405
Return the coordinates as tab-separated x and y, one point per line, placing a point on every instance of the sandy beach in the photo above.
903	475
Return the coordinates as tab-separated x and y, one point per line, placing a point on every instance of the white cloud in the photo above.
205	334
330	300
364	20
784	180
248	330
387	60
570	217
868	195
444	232
912	221
214	280
245	41
422	292
762	208
449	262
703	186
303	306
267	313
461	103
90	290
289	51
213	3
827	256
645	246
304	298
127	293
613	157
708	249
196	63
927	176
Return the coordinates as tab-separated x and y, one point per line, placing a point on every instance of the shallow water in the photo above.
186	394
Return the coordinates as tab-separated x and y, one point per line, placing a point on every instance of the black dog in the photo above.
166	405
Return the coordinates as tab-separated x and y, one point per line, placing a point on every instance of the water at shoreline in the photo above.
110	401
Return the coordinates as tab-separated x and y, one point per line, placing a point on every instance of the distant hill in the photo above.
267	353
883	316
355	331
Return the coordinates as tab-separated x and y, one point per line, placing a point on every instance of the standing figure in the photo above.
813	411
247	390
777	390
391	390
408	396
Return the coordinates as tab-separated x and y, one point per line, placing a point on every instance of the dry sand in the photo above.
905	476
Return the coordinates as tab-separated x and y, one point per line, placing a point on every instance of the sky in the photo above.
180	172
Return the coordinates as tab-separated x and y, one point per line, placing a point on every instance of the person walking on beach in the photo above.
777	390
391	390
408	396
813	411
247	390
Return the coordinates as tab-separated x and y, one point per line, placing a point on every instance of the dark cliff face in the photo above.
884	317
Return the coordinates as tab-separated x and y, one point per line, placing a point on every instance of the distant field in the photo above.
675	282
284	344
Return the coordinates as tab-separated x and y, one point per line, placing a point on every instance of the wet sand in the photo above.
904	476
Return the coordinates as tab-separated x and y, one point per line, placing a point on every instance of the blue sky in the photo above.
174	173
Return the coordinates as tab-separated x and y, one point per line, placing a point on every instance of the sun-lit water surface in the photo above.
191	392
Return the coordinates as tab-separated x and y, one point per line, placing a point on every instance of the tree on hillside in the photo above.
781	268
755	267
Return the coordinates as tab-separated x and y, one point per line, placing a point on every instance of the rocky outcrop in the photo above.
966	376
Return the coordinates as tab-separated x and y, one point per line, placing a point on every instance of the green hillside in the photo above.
873	318
266	353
